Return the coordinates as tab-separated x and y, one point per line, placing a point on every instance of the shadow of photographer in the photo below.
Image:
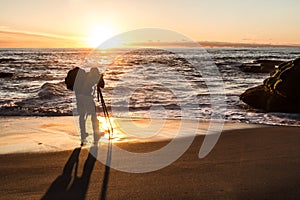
65	186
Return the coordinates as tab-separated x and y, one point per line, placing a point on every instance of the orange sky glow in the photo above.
88	23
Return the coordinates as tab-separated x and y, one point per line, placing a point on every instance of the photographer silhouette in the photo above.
84	87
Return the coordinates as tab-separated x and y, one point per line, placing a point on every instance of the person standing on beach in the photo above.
84	88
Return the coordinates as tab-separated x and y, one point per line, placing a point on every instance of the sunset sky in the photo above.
83	23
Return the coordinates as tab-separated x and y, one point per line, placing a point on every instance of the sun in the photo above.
98	34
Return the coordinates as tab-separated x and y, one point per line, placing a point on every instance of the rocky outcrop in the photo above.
280	92
6	74
260	66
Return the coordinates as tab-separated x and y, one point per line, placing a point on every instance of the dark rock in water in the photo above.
261	97
280	92
261	66
250	67
5	60
6	75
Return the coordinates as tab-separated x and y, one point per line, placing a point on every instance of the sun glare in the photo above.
99	34
105	126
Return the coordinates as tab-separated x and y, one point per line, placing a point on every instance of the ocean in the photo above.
144	83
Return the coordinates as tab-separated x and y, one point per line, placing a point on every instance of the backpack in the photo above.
71	76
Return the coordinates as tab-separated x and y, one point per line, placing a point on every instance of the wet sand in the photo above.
254	163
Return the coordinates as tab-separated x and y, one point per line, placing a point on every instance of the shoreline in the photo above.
45	134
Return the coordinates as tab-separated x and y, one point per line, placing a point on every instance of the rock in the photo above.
280	92
261	97
260	66
6	74
250	67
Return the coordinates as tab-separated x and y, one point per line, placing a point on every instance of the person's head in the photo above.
94	70
94	73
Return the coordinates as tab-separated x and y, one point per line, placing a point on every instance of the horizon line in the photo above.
204	44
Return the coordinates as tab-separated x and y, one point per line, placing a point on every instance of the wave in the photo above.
25	77
53	90
32	111
7	60
27	82
51	99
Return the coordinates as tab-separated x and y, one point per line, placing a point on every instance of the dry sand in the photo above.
258	163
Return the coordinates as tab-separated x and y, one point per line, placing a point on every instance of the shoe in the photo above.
83	139
83	143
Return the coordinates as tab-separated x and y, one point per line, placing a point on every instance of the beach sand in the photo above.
248	163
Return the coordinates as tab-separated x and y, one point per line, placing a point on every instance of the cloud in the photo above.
210	44
7	30
14	38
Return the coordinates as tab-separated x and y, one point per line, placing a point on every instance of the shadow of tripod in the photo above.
106	172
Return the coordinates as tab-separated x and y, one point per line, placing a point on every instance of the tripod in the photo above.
105	112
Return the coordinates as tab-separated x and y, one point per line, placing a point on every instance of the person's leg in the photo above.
95	123
83	133
91	110
81	109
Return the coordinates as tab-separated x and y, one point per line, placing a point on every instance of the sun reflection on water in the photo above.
105	128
